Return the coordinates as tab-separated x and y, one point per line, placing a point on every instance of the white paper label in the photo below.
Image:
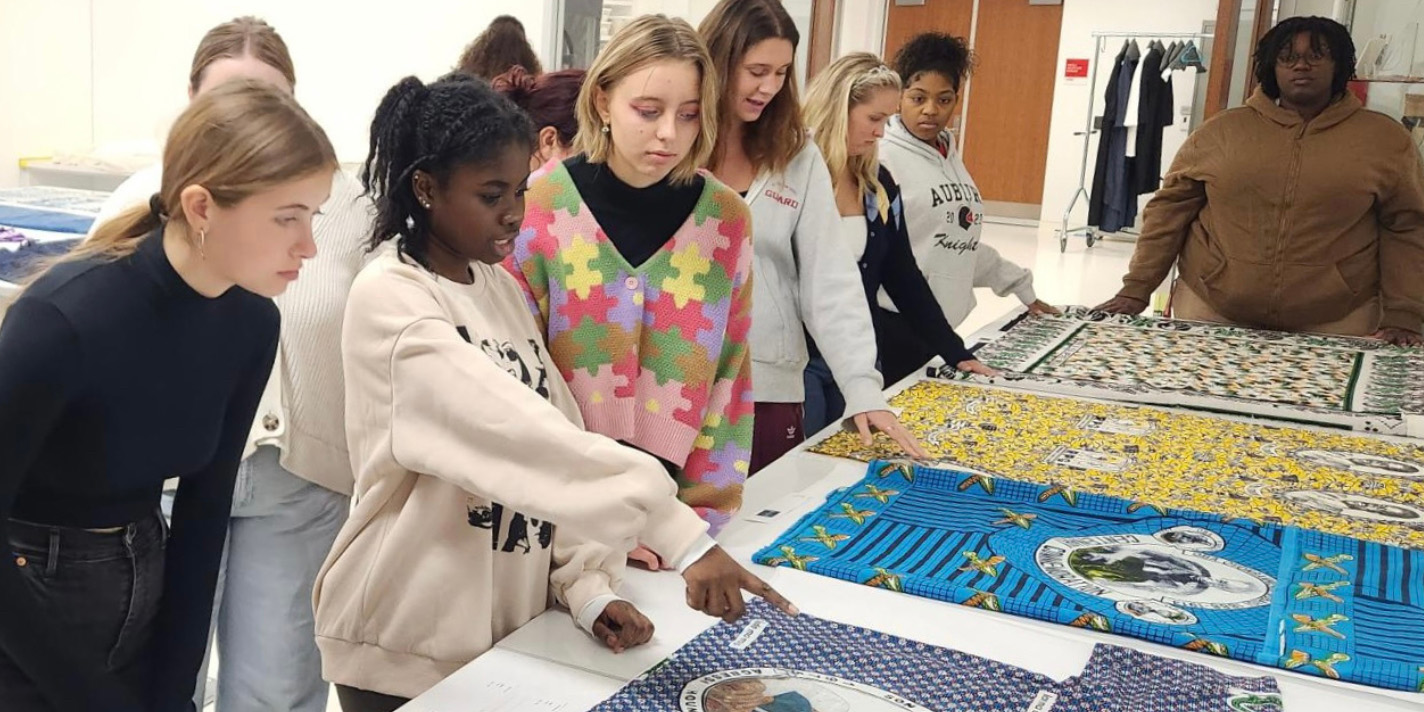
1044	702
749	635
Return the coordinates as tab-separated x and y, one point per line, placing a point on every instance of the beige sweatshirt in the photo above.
468	448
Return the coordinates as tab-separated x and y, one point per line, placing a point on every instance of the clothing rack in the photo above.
1099	38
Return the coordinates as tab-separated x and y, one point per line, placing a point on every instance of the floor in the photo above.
1080	275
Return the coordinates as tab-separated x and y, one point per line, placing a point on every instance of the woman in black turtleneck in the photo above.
138	358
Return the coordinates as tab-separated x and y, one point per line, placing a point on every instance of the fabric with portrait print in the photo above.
769	662
1360	384
1278	596
1329	481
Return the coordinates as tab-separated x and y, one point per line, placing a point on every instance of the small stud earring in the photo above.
604	129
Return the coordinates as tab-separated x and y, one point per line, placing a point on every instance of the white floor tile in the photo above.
1080	275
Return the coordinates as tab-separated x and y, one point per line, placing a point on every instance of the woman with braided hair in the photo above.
473	469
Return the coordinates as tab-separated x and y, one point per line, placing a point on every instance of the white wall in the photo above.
860	26
44	80
136	65
1398	21
1338	9
1070	98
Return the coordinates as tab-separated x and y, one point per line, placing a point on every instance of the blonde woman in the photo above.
847	107
293	488
806	280
140	357
638	266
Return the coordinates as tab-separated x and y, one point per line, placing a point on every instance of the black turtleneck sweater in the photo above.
114	376
639	221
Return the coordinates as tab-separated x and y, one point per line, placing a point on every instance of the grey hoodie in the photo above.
944	214
807	280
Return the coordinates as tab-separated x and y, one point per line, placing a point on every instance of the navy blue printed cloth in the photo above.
769	662
1274	595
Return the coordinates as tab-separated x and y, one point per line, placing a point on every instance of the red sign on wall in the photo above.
1075	68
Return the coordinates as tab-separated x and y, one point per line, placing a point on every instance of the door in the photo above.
1011	102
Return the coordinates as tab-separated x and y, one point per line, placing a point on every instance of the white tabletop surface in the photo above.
565	665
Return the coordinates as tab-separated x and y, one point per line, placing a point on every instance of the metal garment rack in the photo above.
1090	232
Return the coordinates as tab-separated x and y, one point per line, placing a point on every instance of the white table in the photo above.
571	672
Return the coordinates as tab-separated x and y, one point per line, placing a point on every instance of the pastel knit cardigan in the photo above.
656	355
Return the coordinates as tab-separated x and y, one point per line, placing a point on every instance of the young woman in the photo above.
637	266
943	208
472	456
549	101
294	485
846	108
805	277
502	46
140	357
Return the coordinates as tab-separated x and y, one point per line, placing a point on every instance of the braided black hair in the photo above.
935	52
1325	34
455	121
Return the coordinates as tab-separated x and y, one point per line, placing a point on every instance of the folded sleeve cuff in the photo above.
694	554
588	615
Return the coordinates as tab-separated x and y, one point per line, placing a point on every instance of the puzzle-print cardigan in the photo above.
656	355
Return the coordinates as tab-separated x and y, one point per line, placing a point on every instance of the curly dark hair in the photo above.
502	45
1326	36
549	98
935	52
457	120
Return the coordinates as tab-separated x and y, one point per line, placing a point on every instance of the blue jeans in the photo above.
282	529
824	402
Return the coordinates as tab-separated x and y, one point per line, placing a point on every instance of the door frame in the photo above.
823	36
1223	52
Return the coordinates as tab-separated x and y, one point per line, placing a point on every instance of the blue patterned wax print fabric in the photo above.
770	662
1125	680
805	663
1315	603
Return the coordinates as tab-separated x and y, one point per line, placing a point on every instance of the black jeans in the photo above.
354	700
100	593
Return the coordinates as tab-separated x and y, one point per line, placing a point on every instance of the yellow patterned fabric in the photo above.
1361	487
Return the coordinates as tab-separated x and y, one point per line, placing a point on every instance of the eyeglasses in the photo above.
1312	59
